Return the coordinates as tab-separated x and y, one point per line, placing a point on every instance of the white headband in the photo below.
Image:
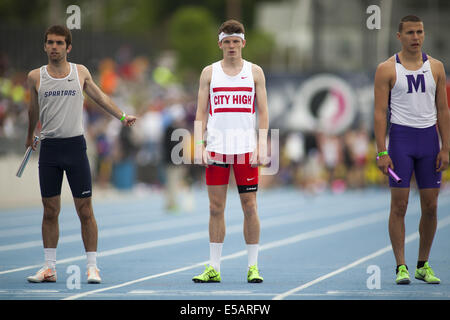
223	35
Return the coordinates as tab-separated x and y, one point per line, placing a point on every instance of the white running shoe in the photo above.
45	274
93	275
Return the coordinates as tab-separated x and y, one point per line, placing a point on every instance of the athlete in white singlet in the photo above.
233	90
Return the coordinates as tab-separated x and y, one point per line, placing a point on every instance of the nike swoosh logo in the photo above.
250	179
243	77
70	79
425	71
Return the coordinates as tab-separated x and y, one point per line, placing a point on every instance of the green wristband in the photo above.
200	142
382	153
123	116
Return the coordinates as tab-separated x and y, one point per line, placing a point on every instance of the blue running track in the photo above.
330	246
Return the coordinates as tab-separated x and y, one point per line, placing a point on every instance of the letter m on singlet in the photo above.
416	82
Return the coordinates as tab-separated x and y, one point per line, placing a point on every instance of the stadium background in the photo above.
319	59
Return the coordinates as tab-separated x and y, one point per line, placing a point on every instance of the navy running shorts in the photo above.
64	154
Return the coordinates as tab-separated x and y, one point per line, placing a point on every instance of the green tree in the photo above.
193	36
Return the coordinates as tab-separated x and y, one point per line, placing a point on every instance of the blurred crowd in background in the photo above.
125	157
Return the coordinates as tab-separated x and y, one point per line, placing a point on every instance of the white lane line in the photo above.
266	223
195	293
106	232
116	215
347	225
113	232
444	222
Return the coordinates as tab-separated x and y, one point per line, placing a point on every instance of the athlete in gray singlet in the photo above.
56	99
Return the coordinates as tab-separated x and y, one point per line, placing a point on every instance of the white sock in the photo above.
91	259
252	252
50	257
215	253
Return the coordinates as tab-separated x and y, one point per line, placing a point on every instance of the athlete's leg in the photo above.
89	234
217	177
217	198
402	144
428	182
50	225
247	181
50	181
399	205
428	221
78	174
251	219
89	230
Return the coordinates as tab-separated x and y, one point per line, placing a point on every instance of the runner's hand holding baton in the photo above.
390	171
27	156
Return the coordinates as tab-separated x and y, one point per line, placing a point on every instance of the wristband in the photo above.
123	116
382	153
200	142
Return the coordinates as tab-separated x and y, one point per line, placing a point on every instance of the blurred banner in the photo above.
320	102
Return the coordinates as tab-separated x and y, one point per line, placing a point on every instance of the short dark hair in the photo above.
232	26
60	31
408	18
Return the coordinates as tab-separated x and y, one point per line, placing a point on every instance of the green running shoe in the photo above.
427	274
402	275
253	275
209	275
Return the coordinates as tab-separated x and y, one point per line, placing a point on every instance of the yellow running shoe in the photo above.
253	275
209	275
402	275
427	274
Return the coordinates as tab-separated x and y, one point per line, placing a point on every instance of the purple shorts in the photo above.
414	150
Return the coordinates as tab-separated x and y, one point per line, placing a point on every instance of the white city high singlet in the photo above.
412	99
60	104
231	122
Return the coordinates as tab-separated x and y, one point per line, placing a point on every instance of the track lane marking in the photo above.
444	222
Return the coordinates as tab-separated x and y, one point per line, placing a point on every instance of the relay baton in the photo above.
394	176
26	157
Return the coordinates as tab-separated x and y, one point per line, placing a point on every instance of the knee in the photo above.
429	208
85	212
216	208
51	211
249	207
398	208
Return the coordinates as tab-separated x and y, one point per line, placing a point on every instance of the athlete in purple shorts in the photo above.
411	86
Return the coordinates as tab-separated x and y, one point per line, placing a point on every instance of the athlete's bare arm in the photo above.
202	112
33	107
263	113
443	117
102	99
384	80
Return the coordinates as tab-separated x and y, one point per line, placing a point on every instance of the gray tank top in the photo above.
60	105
